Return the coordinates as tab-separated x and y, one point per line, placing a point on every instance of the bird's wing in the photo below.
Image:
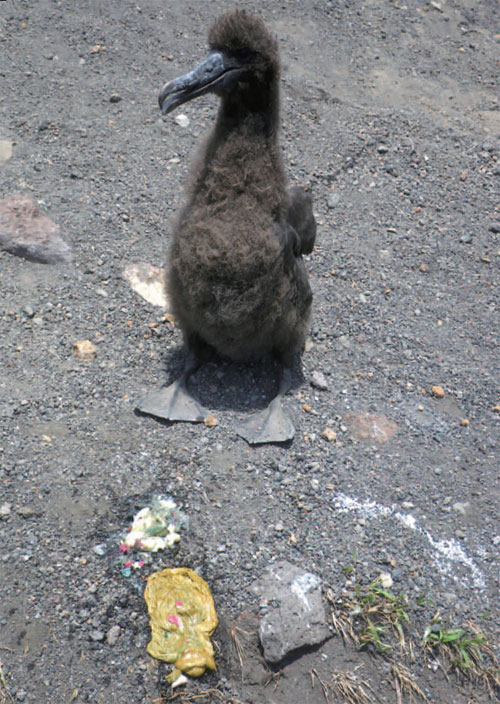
300	218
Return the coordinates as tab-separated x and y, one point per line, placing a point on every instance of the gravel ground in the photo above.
391	117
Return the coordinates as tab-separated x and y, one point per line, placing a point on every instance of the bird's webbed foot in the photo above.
175	402
271	424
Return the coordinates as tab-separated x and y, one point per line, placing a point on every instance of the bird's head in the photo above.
243	60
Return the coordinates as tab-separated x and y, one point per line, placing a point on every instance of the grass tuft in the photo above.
466	650
370	616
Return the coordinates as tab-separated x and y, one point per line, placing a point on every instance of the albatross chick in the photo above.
235	275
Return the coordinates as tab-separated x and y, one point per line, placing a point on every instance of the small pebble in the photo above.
382	148
385	580
114	98
5	150
112	634
329	434
97	636
211	421
318	381
26	511
461	507
5	510
182	120
333	200
100	549
84	350
437	391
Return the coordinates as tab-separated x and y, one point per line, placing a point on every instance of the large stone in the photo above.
26	232
292	614
148	282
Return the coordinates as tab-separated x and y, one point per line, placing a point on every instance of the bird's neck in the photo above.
242	155
252	110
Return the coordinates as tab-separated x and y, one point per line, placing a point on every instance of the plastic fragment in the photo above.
182	679
155	527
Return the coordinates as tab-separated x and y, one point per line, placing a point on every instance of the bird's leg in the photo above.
175	402
271	424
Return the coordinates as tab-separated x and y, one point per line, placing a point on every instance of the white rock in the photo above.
461	507
318	381
5	150
5	510
385	580
148	282
182	120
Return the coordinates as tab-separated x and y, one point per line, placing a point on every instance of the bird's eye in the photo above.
244	55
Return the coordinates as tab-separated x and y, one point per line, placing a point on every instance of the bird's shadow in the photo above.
225	385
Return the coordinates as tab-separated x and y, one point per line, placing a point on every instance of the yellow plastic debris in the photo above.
183	618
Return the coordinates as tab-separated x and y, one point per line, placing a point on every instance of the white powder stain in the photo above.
303	584
444	553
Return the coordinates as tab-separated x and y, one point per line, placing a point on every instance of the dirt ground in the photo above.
391	116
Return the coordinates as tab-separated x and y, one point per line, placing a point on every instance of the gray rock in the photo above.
5	150
292	613
318	381
97	636
466	239
461	507
26	511
112	634
333	200
27	233
5	510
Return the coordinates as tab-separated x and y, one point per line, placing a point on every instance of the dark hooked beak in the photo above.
216	74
